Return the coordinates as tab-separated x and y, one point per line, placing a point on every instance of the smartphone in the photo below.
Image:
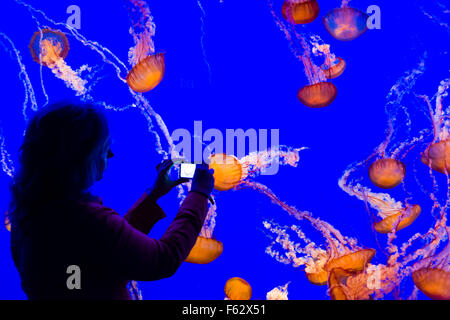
187	170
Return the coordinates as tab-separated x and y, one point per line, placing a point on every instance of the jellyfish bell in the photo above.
300	11
317	95
205	251
352	262
319	278
238	289
47	45
386	225
314	270
437	156
337	293
387	173
227	171
346	23
147	73
335	280
335	70
433	282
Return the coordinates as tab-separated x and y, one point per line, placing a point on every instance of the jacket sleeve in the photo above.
144	214
135	256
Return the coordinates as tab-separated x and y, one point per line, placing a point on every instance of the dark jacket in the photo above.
108	249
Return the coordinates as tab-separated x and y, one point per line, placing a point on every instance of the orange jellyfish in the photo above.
50	48
333	68
47	45
315	272
319	278
300	11
227	171
238	289
349	285
387	173
206	248
352	262
317	95
433	282
437	156
147	74
346	23
336	289
148	66
344	266
386	225
205	251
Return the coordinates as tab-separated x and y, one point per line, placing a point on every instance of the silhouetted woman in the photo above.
59	230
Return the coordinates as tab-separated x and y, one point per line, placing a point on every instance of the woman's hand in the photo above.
163	183
203	181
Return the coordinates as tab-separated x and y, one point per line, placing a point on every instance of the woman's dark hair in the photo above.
63	153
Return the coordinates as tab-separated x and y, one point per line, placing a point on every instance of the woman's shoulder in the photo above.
96	208
93	204
97	214
102	223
